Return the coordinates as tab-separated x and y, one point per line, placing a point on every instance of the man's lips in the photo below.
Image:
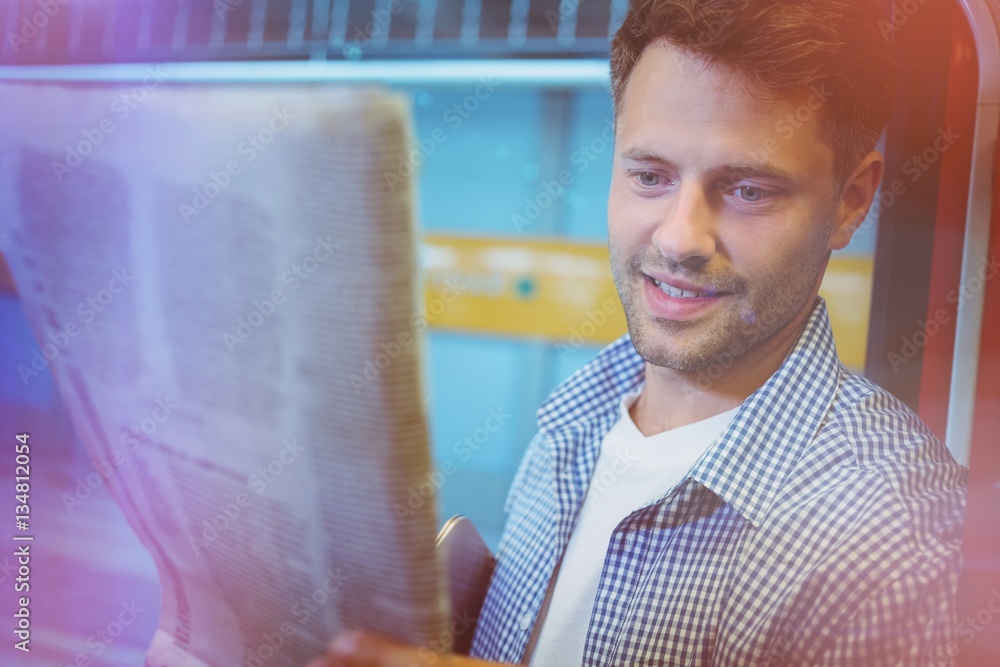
668	298
682	289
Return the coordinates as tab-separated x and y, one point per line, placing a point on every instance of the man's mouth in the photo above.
679	293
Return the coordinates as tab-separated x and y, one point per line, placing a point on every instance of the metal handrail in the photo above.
589	73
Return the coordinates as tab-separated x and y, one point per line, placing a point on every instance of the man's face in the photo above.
721	211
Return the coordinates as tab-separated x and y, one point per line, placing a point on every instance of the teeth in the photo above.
676	292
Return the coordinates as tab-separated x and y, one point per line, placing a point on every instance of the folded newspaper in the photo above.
208	271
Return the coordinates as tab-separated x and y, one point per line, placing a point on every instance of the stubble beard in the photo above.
744	322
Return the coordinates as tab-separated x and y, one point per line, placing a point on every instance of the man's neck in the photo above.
671	398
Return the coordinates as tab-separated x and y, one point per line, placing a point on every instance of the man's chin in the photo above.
677	364
679	347
675	356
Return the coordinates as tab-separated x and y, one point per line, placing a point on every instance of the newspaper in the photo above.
221	281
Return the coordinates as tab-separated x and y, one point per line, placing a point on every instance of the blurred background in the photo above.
513	132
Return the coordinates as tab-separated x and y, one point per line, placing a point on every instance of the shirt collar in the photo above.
748	463
595	391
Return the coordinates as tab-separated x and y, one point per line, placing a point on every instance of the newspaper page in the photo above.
221	279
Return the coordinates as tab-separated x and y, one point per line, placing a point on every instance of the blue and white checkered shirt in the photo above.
821	528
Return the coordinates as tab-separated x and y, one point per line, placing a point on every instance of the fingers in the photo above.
360	649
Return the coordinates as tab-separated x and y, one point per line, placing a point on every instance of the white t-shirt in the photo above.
631	471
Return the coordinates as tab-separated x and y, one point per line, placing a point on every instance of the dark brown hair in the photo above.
781	47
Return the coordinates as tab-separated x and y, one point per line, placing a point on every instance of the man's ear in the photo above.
856	198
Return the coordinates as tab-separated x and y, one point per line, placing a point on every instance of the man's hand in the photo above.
361	649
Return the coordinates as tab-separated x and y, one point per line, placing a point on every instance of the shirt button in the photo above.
630	541
525	620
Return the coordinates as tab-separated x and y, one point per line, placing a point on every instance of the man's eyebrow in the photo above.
748	169
649	157
757	169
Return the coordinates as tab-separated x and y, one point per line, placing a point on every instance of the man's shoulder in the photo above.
880	429
879	450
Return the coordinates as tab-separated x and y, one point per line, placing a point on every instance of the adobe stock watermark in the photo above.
121	108
914	168
791	122
35	22
104	638
373	368
7	569
567	10
901	13
381	19
605	478
708	375
263	309
912	344
246	152
582	333
553	190
463	450
968	628
436	648
270	644
777	654
131	439
259	480
454	117
302	609
712	32
88	310
223	7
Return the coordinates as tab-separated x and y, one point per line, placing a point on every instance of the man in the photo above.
715	488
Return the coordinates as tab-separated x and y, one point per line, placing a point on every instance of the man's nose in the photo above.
686	230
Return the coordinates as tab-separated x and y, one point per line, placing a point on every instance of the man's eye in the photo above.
749	193
648	178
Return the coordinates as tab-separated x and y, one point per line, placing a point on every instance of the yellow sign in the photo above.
847	288
563	292
551	290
